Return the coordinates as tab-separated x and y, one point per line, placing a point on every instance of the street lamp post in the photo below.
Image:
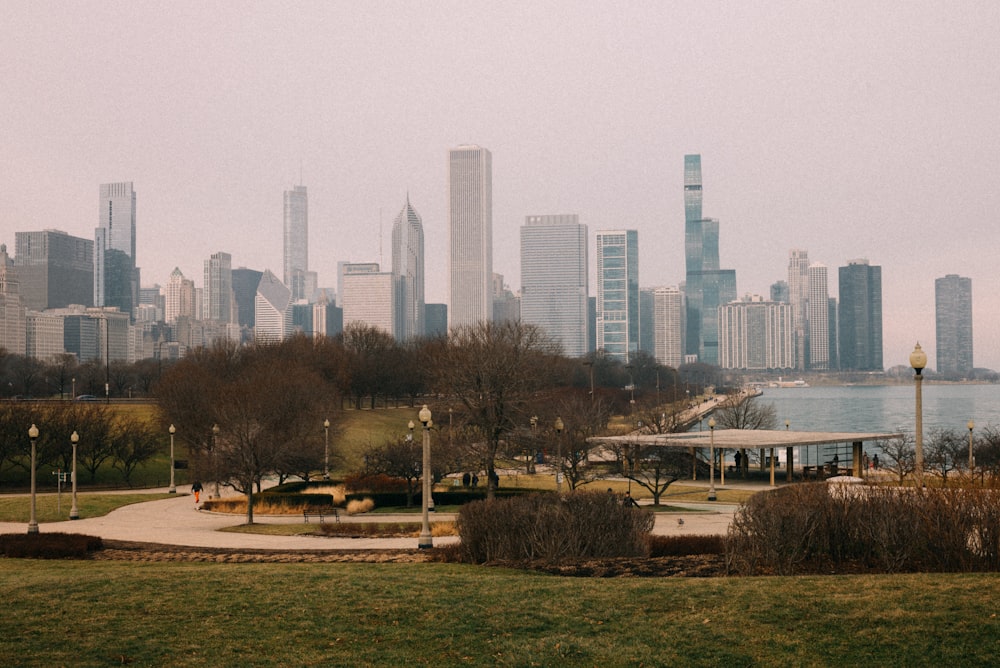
74	513
972	459
631	384
425	540
918	360
534	444
215	457
326	449
711	459
789	454
590	365
32	522
173	487
559	429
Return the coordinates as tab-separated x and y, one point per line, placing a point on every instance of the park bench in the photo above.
321	513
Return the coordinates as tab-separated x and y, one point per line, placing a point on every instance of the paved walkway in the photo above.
176	521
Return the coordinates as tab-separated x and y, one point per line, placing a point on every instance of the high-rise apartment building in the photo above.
272	308
368	296
798	297
116	277
618	293
953	325
668	326
756	335
219	288
555	279
296	238
55	269
408	273
470	229
818	318
860	316
180	297
13	323
707	286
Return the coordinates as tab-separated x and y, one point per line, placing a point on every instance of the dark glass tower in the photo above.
953	325
860	317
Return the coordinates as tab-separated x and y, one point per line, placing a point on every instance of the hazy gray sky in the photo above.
850	129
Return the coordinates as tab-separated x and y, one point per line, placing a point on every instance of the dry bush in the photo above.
386	529
805	528
358	506
552	528
679	546
337	492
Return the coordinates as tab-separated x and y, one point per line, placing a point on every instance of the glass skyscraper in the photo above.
618	293
116	278
296	244
408	273
953	325
860	318
554	279
470	231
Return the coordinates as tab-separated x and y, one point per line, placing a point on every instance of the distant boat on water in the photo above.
788	383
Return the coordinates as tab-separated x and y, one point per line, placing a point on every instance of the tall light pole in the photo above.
631	384
326	449
918	360
590	364
789	454
711	459
32	522
559	429
74	514
425	540
215	457
972	460
534	443
173	487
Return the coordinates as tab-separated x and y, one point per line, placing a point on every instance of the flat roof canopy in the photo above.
743	438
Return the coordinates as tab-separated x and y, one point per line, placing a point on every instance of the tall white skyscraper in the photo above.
219	288
668	326
554	279
798	296
618	293
470	229
408	273
116	278
180	297
296	256
756	335
818	319
272	309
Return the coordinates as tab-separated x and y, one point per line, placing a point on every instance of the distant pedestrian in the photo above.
466	479
628	501
475	480
875	461
196	490
867	462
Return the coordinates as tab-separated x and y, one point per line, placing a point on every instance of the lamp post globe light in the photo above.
972	459
711	459
425	540
918	360
74	513
32	522
173	487
559	430
326	449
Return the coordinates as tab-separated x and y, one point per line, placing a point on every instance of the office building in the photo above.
298	278
470	231
44	335
817	319
860	316
798	296
13	323
368	296
555	279
245	282
756	335
180	297
272	309
55	269
780	292
953	325
218	295
116	277
618	293
408	273
668	326
435	320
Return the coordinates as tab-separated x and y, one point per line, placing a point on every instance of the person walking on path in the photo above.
196	490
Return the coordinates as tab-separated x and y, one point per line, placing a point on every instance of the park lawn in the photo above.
47	506
196	614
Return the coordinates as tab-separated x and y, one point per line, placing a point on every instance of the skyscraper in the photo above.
755	335
707	286
470	228
368	296
860	316
668	325
618	293
55	269
116	277
272	308
408	273
245	282
798	297
817	319
953	325
555	279
180	298
298	278
219	287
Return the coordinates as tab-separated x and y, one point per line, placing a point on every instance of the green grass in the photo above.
201	614
18	508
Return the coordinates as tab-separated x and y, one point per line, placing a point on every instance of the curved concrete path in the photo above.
176	521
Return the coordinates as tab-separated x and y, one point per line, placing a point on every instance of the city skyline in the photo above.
818	131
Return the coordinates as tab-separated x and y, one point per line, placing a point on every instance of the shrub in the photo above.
552	528
357	506
679	546
375	483
48	545
809	527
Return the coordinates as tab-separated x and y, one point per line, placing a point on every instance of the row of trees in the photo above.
946	453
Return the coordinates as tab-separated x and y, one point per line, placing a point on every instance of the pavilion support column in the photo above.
789	457
857	460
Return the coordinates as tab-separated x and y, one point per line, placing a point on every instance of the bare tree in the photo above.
899	455
494	370
652	467
582	419
947	449
399	458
